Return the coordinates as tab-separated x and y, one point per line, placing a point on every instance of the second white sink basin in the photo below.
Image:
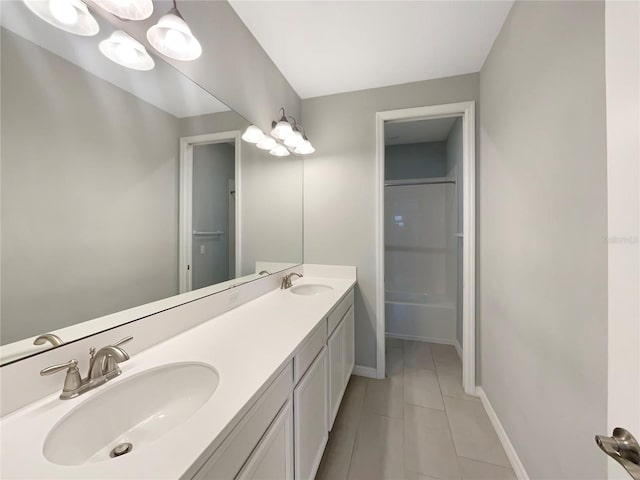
131	414
310	289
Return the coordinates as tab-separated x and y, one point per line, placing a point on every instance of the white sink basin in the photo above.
310	289
137	411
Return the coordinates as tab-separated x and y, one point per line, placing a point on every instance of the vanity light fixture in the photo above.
295	138
280	151
124	50
72	16
252	134
267	143
305	148
172	37
127	9
282	128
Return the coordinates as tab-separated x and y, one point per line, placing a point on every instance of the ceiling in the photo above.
327	47
418	131
163	87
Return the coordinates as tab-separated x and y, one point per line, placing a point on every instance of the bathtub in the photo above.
420	316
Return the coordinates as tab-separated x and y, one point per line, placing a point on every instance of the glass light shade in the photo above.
305	148
172	37
282	130
127	9
72	16
294	140
280	151
252	134
267	143
124	50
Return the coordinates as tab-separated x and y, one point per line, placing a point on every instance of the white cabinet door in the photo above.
273	457
336	370
310	418
349	345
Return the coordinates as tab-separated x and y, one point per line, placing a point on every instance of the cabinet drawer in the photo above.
309	350
336	315
228	459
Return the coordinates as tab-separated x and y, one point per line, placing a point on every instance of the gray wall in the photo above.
89	194
213	167
339	187
454	169
415	160
233	65
543	221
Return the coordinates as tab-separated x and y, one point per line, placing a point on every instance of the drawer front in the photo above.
309	350
228	459
336	315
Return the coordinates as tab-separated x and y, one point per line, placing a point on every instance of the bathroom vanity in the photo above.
251	393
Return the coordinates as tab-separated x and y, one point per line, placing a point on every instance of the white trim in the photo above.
361	371
186	200
458	349
467	111
509	449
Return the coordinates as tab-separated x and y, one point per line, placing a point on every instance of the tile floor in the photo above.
416	424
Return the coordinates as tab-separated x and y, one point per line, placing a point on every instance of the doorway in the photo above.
209	209
418	188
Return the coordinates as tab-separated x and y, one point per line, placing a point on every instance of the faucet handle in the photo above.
72	381
71	364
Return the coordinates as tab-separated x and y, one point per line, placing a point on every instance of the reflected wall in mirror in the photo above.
92	230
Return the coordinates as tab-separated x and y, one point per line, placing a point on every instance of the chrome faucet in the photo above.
105	361
286	280
103	366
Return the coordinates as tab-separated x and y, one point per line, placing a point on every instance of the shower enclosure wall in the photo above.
422	247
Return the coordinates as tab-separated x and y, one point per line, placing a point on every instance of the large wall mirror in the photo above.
123	192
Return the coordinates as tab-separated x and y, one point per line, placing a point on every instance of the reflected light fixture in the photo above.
72	16
172	37
127	9
126	51
252	134
289	133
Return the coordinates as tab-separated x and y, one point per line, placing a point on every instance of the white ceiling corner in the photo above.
327	47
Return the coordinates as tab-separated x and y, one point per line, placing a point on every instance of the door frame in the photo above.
185	240
622	69
466	110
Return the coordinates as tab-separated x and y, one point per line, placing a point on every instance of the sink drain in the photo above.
121	449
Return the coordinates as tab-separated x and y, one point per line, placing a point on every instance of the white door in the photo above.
622	27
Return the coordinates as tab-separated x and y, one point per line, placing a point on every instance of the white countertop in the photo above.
248	346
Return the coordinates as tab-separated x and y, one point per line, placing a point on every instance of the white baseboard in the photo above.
458	349
516	464
362	371
443	341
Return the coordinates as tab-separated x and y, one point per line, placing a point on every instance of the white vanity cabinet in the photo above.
273	457
253	445
341	353
284	434
310	419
